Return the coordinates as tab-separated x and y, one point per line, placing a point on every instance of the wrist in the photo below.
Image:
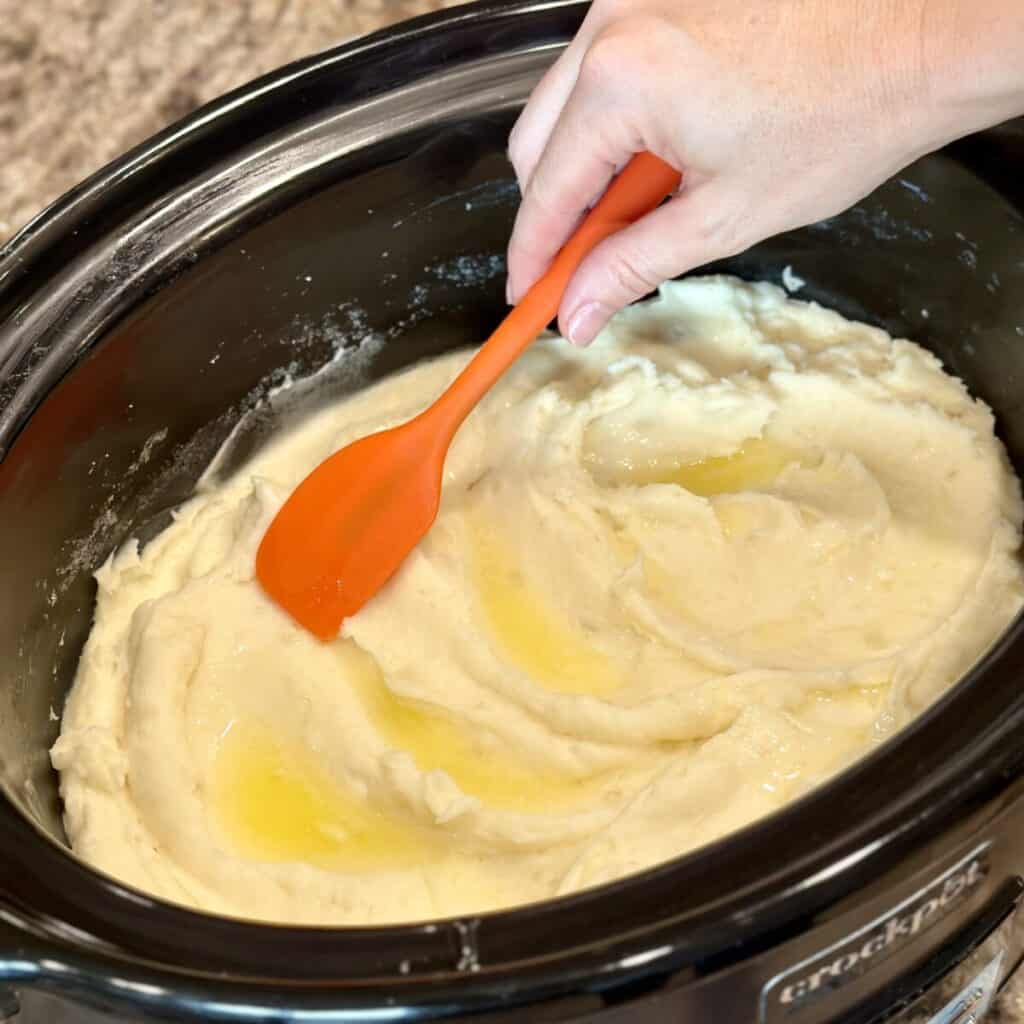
972	57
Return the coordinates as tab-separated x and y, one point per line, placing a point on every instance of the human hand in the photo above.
777	114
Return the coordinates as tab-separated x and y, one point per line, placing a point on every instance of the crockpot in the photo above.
153	314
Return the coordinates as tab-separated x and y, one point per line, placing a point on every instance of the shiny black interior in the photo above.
113	404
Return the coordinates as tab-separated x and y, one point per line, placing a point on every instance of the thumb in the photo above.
690	230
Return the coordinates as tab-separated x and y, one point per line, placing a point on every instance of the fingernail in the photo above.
508	291
586	323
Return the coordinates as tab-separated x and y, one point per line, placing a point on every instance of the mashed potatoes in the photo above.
676	579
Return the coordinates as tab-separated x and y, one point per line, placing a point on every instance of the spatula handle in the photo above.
642	184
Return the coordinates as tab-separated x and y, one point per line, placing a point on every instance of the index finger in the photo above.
531	132
573	171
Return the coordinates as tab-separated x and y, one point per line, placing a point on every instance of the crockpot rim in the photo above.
806	879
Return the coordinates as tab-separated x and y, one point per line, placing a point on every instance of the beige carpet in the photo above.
83	80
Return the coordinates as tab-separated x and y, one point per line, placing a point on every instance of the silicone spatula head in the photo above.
351	523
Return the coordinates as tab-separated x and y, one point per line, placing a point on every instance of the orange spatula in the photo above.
351	523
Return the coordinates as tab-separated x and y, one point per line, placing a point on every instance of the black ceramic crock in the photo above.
365	193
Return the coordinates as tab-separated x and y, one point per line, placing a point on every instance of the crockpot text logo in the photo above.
854	956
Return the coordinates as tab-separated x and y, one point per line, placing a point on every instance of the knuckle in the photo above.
528	243
540	195
720	229
532	250
605	60
609	10
516	151
632	274
732	238
626	48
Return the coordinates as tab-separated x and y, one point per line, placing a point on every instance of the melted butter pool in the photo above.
754	465
480	765
534	635
277	802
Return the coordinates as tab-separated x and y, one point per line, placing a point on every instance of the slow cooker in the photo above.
155	311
